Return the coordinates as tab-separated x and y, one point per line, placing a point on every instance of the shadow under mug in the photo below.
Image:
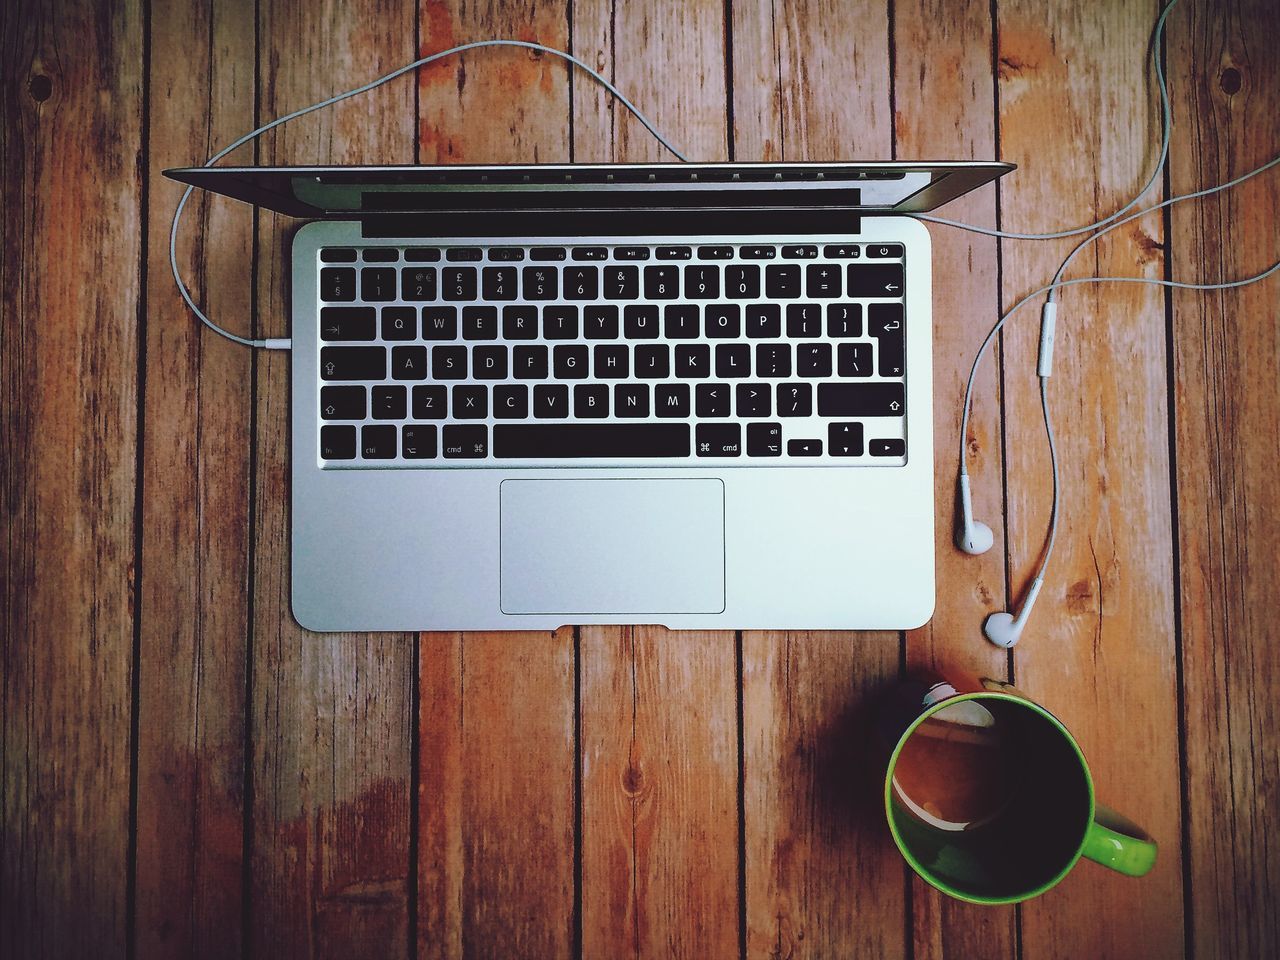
989	797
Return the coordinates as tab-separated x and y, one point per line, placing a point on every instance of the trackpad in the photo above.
612	546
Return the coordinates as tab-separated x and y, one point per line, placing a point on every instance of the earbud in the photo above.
972	536
1004	629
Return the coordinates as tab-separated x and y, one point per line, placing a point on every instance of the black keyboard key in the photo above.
681	322
804	448
889	448
764	439
764	320
757	253
611	361
389	403
541	283
822	280
378	442
723	321
640	322
804	320
733	360
674	253
342	403
529	363
853	360
813	359
560	323
464	254
338	442
551	401
479	323
600	322
337	255
653	362
418	441
711	400
782	281
861	400
439	323
338	284
505	254
510	401
795	400
409	363
591	401
353	363
489	363
661	283
591	253
753	400
377	284
884	322
465	441
875	280
882	250
470	402
719	440
742	282
449	363
520	322
715	253
570	362
581	283
844	439
348	323
547	253
671	400
399	323
844	320
422	254
590	440
499	283
381	255
701	282
693	360
458	283
773	360
631	400
429	402
622	283
631	253
842	251
806	252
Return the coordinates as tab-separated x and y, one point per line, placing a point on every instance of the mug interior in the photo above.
989	798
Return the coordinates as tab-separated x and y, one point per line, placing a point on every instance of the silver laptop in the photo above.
692	395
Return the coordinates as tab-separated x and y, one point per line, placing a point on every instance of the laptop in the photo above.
695	395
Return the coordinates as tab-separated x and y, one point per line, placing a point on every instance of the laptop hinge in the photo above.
601	223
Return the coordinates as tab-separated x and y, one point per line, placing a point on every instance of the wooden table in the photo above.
186	773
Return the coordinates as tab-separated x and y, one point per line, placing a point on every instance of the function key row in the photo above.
851	251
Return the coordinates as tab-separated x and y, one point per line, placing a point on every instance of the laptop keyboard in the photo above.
743	354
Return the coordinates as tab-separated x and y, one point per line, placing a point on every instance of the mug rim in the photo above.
922	871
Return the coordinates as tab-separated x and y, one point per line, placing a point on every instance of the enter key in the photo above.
884	322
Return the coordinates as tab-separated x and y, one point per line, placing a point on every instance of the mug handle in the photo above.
1119	844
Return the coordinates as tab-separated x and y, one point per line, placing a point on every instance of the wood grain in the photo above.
497	762
70	211
1077	115
817	854
332	720
195	474
1226	405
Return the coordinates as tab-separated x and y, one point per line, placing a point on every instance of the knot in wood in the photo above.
632	780
40	88
1230	81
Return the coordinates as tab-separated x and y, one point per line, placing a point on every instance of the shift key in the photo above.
861	400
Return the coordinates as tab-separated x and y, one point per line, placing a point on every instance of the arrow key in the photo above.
844	439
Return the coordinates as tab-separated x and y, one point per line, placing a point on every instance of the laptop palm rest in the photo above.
644	547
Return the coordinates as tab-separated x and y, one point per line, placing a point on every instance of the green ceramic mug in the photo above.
989	797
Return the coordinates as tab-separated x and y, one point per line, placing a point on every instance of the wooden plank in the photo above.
496	799
1076	114
659	709
1226	90
195	536
332	721
822	876
945	101
72	87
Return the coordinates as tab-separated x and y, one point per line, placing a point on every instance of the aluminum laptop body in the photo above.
692	395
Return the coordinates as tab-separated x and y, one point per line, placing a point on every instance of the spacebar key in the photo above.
553	441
